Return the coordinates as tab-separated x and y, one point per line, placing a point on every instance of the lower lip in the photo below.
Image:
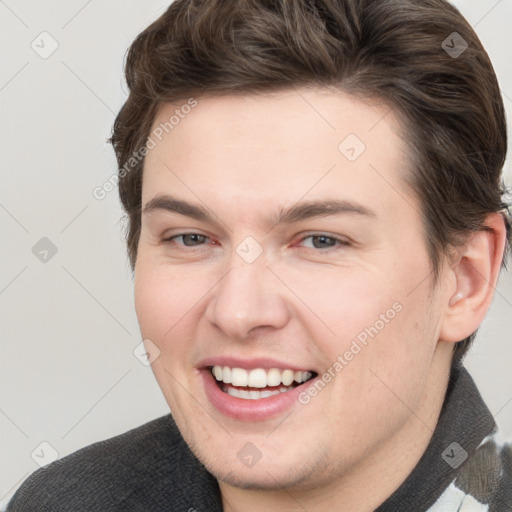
249	410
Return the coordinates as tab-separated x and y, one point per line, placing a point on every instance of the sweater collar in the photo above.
464	422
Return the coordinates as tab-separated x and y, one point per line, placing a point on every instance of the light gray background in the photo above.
68	375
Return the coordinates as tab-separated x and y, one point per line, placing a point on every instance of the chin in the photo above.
268	475
264	480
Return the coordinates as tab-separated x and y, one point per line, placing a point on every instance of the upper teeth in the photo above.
259	377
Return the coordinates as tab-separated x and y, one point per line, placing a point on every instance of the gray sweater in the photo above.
151	469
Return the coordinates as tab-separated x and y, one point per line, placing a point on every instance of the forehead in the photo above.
276	148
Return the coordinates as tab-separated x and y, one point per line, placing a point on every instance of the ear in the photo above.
475	274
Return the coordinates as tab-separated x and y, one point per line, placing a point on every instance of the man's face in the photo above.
340	293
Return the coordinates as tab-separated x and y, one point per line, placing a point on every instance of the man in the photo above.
317	226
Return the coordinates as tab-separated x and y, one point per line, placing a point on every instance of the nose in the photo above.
249	298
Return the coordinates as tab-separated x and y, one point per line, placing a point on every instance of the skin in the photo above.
243	158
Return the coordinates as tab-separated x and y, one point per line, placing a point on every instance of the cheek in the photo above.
342	302
374	322
165	310
163	300
396	363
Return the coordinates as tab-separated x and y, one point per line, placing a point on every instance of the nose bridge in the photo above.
247	298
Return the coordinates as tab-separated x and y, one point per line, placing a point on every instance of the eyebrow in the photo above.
296	213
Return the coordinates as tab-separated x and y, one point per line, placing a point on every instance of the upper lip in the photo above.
249	364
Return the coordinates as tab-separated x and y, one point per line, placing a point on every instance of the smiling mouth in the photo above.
258	382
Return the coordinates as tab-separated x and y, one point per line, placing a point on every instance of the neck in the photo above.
371	481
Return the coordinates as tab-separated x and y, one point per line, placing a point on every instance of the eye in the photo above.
322	241
315	241
187	239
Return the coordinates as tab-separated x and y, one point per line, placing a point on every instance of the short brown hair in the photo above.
396	50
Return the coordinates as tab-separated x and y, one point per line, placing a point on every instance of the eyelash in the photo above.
338	242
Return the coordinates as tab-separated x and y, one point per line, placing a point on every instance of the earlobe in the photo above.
475	273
